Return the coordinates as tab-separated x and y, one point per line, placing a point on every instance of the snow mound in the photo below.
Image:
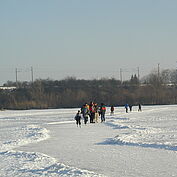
144	132
149	138
24	135
36	164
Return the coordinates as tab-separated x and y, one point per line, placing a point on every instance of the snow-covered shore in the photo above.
48	143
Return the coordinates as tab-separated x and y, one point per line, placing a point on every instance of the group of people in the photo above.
92	111
130	107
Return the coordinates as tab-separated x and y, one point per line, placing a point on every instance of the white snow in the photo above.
48	143
23	135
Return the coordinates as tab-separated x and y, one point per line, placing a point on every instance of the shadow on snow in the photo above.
116	126
119	118
112	141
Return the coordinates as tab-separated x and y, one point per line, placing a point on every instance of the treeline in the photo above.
156	88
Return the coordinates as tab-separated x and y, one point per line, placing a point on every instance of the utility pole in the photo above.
158	70
32	74
121	75
138	73
16	75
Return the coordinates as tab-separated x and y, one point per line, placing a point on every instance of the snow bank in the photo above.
26	164
24	135
36	164
152	128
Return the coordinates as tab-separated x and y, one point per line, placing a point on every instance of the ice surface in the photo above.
20	128
48	143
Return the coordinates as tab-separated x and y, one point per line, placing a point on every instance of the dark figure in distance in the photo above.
130	107
126	108
139	107
78	119
112	110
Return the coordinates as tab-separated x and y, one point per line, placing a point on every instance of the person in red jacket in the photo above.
102	112
92	112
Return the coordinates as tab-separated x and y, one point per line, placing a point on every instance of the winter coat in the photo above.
112	109
78	116
85	111
103	109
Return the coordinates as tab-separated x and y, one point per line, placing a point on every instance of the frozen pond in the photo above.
48	143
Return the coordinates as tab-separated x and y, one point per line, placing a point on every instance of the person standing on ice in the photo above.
112	110
92	112
126	108
139	107
102	112
85	113
78	118
96	112
130	107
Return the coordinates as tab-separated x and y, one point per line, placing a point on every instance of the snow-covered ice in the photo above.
48	143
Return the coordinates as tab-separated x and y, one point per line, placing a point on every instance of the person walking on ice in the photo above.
139	107
126	108
78	118
102	112
112	110
92	112
85	113
130	107
96	112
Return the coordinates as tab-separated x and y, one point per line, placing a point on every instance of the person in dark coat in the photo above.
126	108
130	107
112	110
78	118
139	107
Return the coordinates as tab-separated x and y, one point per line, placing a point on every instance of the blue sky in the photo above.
86	38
